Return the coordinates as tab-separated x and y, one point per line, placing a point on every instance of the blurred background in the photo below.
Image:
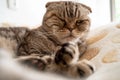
30	12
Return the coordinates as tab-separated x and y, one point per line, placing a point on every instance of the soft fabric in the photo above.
104	52
103	45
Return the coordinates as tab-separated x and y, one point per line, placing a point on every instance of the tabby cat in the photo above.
56	45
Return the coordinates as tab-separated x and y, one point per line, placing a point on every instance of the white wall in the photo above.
100	12
30	12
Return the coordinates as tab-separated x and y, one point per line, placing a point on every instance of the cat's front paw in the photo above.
65	55
35	61
85	68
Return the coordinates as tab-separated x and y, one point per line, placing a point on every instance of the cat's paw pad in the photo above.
85	68
65	54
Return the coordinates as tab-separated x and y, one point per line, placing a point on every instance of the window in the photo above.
115	10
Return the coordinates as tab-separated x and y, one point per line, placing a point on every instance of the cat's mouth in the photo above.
69	38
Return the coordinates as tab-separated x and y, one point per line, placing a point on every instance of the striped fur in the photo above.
57	45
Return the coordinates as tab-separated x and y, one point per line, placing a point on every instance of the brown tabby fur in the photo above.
53	46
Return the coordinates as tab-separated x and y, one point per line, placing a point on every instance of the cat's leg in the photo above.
81	69
67	59
36	61
68	54
82	47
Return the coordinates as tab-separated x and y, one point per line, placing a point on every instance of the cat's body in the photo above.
57	45
11	37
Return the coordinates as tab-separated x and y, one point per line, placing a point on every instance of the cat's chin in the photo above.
69	39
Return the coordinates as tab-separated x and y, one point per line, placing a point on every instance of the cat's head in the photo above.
66	20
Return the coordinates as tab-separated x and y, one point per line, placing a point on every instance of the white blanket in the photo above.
104	52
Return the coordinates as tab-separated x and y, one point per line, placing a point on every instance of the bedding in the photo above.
103	51
103	45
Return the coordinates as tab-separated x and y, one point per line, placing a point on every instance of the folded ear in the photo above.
52	3
86	7
49	3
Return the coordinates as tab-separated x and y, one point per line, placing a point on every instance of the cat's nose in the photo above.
70	29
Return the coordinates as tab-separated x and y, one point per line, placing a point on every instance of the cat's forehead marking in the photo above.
71	9
65	8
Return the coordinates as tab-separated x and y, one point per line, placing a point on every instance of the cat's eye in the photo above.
79	22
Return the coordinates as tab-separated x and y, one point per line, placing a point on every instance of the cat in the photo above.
58	43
